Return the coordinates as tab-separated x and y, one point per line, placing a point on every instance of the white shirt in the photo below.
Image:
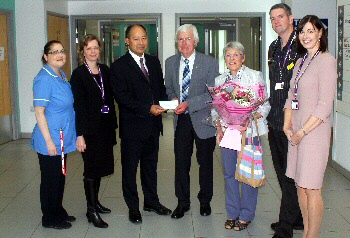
137	59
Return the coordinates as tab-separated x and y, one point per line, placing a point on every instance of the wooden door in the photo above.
58	30
6	126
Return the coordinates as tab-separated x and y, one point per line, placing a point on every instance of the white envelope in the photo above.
169	105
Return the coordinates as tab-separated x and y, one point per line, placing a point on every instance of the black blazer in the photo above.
135	95
88	99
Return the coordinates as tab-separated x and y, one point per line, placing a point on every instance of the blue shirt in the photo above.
55	94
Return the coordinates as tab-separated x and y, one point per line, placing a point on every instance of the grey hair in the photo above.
234	45
186	28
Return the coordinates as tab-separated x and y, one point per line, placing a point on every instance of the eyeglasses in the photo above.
56	52
235	55
93	48
188	39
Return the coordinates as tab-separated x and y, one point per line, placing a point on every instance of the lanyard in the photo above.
100	87
298	76
289	49
62	153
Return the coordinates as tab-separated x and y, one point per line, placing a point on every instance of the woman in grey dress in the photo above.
307	119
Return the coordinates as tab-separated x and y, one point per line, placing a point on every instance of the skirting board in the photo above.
340	169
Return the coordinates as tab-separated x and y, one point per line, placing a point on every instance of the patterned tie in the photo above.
185	81
144	71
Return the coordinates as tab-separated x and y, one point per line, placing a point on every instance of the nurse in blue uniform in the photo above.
53	103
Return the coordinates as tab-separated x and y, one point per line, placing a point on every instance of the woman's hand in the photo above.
51	147
81	146
296	137
219	134
257	116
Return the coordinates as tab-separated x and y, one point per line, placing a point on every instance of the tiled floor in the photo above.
20	214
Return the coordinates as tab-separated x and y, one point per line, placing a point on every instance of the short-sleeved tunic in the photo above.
55	94
307	161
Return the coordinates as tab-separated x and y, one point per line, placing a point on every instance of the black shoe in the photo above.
205	209
135	216
295	227
71	218
102	209
159	209
179	212
94	217
60	226
277	236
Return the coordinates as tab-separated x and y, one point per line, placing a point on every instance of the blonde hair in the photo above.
84	42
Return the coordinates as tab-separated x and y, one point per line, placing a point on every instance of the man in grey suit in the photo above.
186	76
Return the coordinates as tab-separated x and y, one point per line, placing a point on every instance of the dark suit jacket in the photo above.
135	95
88	99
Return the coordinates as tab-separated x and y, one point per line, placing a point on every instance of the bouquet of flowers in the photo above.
235	103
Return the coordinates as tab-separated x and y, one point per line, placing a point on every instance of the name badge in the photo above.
279	86
295	105
105	109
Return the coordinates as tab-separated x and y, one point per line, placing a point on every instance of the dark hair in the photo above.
84	42
317	23
47	49
128	29
283	6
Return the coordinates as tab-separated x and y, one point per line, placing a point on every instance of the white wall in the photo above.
30	41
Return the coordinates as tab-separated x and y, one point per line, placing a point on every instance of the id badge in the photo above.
295	105
279	86
105	109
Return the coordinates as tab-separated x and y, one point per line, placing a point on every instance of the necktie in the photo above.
185	81
144	71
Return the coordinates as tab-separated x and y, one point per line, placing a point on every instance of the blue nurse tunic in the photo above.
55	94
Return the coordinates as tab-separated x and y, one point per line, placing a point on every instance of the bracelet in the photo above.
302	127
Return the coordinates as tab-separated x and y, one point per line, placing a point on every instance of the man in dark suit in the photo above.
186	76
138	85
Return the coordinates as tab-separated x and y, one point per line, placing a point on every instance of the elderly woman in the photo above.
240	206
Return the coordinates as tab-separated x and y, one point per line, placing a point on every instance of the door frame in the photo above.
129	18
262	15
15	123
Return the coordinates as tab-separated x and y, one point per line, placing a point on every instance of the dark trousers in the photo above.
290	213
183	145
51	189
144	151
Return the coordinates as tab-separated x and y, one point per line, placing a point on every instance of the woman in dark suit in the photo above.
95	122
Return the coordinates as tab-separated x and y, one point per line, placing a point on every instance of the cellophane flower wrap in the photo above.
235	103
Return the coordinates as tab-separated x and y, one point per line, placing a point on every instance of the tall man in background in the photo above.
186	76
282	57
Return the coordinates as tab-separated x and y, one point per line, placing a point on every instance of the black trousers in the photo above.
289	210
144	151
52	189
183	145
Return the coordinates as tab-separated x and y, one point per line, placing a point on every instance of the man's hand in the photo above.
156	110
181	108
